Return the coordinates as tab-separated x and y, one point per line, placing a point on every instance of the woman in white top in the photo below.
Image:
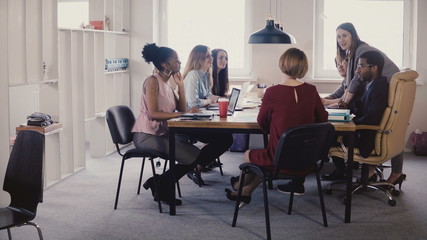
197	83
197	78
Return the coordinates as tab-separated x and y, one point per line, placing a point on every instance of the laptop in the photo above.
243	91
232	104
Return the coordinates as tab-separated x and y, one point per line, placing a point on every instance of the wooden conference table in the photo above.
245	122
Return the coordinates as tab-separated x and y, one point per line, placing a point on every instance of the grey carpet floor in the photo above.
81	207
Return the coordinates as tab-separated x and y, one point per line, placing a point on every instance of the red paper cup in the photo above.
223	107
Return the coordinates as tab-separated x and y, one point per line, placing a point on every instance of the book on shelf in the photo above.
339	115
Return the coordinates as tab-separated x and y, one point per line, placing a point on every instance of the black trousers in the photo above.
216	145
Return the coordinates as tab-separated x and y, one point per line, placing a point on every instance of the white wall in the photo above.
142	32
4	102
419	114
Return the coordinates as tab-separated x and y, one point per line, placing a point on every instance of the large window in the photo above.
380	23
216	24
73	13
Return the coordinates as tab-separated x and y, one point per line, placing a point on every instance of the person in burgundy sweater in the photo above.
285	105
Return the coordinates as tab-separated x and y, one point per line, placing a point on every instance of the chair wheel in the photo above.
327	191
392	203
395	192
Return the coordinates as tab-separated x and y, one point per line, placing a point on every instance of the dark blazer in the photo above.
375	101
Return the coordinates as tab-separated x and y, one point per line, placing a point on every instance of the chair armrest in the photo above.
367	127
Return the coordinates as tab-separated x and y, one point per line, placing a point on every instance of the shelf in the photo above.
93	30
33	83
113	72
100	115
47	130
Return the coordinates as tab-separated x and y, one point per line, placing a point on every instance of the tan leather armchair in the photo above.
390	137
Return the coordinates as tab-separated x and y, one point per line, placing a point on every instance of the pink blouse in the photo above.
166	103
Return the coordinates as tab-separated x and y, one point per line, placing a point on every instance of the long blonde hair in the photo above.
196	59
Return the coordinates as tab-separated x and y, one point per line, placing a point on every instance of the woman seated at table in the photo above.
220	83
158	104
287	104
197	79
332	100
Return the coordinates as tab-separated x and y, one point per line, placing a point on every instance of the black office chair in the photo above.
300	149
120	120
24	182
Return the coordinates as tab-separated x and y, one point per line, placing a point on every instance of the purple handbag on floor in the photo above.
240	142
419	141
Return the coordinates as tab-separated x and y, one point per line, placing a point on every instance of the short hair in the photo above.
374	58
293	62
157	55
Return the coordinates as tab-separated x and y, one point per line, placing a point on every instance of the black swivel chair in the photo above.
300	149
120	120
24	182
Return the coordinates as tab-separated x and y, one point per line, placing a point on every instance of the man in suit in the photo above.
375	99
370	111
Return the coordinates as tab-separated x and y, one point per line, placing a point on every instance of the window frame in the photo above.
162	36
408	38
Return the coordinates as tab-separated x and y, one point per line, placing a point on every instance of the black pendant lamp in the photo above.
271	34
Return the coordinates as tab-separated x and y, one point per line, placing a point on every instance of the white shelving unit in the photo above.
32	69
82	67
61	72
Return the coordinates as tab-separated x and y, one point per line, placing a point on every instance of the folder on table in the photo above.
339	115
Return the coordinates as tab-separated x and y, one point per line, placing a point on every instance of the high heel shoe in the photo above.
372	178
233	181
149	184
244	200
399	180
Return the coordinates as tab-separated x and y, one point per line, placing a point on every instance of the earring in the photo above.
167	72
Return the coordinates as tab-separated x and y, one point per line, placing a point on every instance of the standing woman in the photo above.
158	104
287	104
197	79
349	45
220	83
